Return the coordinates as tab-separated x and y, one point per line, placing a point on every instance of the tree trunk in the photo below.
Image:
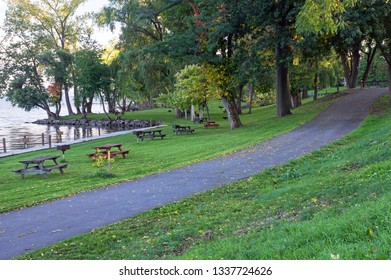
250	88
178	113
192	113
370	58
67	100
89	105
239	99
200	113
232	112
46	107
305	92
316	86
296	99
282	82
351	66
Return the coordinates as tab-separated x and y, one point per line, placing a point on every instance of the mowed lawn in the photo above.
332	204
146	157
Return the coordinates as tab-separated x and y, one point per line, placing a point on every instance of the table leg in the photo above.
56	163
25	167
108	159
40	167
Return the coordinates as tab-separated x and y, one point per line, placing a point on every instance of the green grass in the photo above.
329	90
147	157
332	204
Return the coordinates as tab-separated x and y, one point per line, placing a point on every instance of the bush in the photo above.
264	99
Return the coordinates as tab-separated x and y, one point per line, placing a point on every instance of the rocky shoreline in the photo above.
119	123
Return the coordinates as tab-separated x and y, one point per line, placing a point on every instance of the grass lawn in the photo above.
329	90
331	204
145	157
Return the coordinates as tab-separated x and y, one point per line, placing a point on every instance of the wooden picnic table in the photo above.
182	129
36	166
210	123
105	151
152	134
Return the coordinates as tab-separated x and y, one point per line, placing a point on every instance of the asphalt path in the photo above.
33	228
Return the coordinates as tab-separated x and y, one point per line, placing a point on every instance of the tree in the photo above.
276	20
92	78
349	22
53	26
192	83
144	67
21	79
381	18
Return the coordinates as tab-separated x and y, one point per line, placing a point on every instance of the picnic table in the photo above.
200	120
152	134
36	166
182	129
105	151
210	123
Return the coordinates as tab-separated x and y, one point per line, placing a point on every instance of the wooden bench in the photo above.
151	134
182	129
123	153
211	124
36	166
22	171
112	154
58	166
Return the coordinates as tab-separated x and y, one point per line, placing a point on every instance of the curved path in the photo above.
32	228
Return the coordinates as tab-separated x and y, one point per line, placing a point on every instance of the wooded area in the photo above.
184	53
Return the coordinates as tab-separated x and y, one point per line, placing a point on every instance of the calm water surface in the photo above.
15	124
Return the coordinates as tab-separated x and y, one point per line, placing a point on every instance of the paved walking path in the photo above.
36	227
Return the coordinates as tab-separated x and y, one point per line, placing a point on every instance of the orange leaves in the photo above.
54	89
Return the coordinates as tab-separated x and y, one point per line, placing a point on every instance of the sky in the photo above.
103	36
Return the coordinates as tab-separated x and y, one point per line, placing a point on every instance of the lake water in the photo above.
16	124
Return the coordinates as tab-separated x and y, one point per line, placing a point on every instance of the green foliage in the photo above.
102	161
193	87
264	99
39	39
91	75
329	11
21	80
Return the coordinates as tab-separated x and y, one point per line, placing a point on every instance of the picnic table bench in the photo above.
36	166
200	120
152	134
210	123
105	151
182	129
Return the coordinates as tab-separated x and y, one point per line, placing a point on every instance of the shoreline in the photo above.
46	146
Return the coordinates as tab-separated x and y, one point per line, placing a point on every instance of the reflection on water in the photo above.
18	131
24	137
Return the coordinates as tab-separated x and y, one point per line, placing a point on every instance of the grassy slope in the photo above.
146	157
333	203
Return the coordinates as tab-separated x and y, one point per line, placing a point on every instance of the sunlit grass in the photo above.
146	157
331	204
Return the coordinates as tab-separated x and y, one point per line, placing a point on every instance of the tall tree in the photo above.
144	29
52	24
381	23
21	80
277	21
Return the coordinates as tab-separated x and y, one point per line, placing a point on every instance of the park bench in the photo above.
36	166
211	124
102	151
151	134
182	129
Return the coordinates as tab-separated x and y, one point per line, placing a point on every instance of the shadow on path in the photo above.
33	228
